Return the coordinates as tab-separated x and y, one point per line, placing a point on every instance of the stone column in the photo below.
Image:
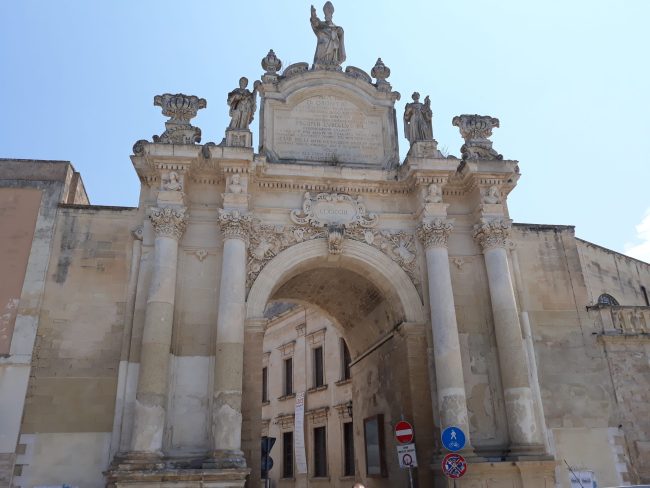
524	433
452	402
151	398
229	353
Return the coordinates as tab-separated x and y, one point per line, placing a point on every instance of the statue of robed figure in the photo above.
242	105
330	49
417	120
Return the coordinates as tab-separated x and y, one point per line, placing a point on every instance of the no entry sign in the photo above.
403	432
454	465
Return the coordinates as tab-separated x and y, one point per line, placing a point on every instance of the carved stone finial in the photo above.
417	120
138	147
330	47
234	224
493	233
180	109
435	233
380	71
476	130
271	64
168	221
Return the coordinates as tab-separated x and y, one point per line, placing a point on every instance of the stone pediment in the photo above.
328	117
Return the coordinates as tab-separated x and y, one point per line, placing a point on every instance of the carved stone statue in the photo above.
434	194
235	185
492	195
173	182
330	49
242	104
417	120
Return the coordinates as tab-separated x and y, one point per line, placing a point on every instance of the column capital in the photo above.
234	224
492	234
435	232
168	221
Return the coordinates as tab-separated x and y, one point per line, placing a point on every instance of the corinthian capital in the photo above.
234	224
168	221
493	233
434	233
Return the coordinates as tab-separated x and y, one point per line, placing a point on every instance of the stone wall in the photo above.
69	406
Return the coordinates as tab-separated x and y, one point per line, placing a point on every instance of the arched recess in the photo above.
356	256
297	274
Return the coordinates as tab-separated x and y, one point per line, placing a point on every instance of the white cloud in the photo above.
641	250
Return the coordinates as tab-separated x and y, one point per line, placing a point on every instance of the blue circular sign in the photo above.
453	438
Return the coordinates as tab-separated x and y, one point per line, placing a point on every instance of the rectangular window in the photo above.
319	379
348	449
345	361
288	376
265	385
373	434
320	453
287	455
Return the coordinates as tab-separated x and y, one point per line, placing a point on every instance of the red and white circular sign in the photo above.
403	432
454	466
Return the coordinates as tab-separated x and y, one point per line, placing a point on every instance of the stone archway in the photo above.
384	323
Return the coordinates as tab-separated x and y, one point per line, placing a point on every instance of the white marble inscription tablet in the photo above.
329	129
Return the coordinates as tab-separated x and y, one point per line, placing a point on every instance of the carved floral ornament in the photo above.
332	217
180	109
168	221
234	224
493	233
435	233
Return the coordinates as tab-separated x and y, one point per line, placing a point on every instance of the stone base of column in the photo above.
528	474
142	470
225	459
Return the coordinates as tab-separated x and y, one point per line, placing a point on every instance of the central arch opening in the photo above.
335	334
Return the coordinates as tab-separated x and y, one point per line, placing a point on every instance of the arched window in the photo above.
607	299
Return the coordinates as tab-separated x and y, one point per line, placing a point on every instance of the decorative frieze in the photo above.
234	224
435	233
168	221
493	233
267	241
333	208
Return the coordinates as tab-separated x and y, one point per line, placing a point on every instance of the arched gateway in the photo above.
324	214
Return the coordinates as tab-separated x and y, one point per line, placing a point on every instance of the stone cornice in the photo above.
435	232
168	221
493	233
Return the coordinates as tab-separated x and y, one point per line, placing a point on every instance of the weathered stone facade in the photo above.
132	339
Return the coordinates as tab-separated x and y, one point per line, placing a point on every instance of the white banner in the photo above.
299	433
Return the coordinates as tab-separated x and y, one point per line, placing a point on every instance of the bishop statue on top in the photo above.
330	50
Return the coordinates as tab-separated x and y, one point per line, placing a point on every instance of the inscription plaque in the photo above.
326	128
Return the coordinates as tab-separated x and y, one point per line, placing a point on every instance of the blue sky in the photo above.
569	81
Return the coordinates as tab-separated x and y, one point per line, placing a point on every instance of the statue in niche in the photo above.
242	104
235	185
434	194
417	120
492	196
330	49
173	182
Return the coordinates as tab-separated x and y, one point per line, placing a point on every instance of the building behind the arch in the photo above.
132	339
